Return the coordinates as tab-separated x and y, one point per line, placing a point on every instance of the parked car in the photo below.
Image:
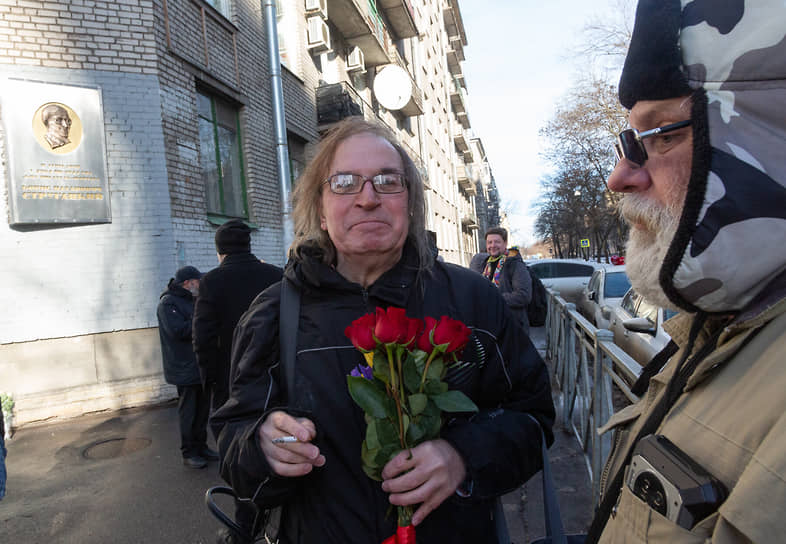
567	276
604	291
638	327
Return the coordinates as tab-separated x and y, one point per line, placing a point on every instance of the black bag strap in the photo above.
653	367
289	316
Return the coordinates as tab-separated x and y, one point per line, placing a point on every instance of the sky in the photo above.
517	68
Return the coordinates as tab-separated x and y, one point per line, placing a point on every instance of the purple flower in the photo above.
362	371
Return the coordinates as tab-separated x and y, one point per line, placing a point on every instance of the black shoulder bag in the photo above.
289	316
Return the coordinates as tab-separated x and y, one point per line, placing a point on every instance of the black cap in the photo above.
653	65
187	273
233	237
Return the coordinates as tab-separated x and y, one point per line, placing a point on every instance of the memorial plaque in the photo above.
56	153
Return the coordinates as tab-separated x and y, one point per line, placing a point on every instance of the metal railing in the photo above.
586	363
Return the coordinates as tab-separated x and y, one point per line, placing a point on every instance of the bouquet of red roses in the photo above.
401	388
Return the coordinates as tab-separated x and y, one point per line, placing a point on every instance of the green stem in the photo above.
395	387
404	515
425	369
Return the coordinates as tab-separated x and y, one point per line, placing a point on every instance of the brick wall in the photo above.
74	280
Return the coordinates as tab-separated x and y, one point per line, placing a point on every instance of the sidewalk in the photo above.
117	477
524	507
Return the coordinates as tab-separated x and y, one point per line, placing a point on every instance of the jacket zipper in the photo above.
364	292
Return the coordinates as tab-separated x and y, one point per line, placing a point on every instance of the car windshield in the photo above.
617	284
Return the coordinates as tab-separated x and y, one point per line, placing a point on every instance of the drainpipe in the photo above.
280	125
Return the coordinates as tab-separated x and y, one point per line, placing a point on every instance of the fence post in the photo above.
569	354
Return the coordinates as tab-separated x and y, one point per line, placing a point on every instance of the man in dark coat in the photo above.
505	268
225	294
175	310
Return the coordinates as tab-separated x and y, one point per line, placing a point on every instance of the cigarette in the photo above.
285	440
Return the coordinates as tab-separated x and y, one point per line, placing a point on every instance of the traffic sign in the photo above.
585	242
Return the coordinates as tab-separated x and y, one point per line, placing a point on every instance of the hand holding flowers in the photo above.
403	395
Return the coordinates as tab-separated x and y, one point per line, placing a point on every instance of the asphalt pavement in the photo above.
117	477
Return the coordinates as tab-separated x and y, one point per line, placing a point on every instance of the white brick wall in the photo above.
75	280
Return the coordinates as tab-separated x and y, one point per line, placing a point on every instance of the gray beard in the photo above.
647	247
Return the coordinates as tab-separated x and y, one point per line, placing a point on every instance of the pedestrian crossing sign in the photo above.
584	242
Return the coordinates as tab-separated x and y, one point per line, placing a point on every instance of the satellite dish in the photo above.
393	87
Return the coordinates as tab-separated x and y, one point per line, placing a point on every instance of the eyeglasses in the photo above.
386	183
629	144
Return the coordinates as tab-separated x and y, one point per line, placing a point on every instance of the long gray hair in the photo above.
307	195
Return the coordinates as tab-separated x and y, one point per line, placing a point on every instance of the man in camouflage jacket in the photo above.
706	200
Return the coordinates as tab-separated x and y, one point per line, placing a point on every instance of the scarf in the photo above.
487	270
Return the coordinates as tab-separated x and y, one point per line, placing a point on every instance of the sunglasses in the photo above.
629	144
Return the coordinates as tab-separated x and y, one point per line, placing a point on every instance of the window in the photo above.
221	157
617	284
297	157
287	34
630	301
221	6
572	270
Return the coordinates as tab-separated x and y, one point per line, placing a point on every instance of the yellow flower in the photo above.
369	358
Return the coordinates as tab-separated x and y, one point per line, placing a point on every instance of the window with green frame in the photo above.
221	157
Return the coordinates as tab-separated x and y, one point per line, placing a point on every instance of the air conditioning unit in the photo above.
355	60
317	7
318	34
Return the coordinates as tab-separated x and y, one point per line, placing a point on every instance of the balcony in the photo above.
337	101
455	55
465	183
415	105
460	140
454	24
457	99
361	25
401	17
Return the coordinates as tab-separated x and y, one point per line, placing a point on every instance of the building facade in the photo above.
167	123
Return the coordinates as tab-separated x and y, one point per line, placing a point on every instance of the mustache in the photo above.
638	210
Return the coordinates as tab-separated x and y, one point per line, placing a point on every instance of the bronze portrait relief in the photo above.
57	128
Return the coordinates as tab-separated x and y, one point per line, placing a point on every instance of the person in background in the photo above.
505	268
361	243
703	173
175	311
224	294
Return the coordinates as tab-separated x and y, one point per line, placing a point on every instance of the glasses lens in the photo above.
388	183
344	184
629	146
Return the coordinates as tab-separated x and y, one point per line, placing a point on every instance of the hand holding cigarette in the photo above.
286	443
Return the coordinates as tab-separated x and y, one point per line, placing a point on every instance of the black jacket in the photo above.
224	294
515	284
174	312
338	503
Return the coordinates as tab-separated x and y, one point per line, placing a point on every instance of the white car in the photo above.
604	292
638	327
567	276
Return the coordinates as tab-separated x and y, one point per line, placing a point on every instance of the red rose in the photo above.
392	325
361	333
452	332
424	340
413	329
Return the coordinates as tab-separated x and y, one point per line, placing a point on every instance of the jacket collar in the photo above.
235	258
308	271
